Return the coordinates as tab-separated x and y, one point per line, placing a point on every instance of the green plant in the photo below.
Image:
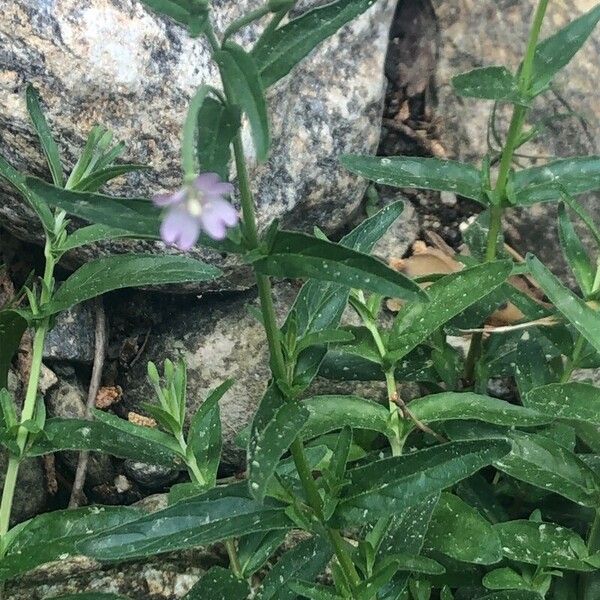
455	494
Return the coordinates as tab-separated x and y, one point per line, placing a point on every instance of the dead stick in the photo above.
99	352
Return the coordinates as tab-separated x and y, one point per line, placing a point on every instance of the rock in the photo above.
486	32
72	337
30	494
219	340
68	401
152	477
117	63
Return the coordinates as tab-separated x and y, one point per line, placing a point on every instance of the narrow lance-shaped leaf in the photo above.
92	234
111	435
49	536
546	464
136	215
18	181
190	523
189	13
555	52
328	413
420	173
549	182
447	298
543	544
448	406
305	561
294	254
575	252
217	126
585	319
95	180
47	141
271	443
390	484
487	83
242	78
572	401
117	272
288	45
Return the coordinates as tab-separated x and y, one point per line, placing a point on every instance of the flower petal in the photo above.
226	211
170	199
213	225
211	185
180	229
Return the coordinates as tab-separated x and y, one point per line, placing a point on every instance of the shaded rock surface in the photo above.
476	33
114	62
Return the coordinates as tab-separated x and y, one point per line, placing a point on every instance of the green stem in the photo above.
397	440
574	360
27	414
240	23
272	332
513	140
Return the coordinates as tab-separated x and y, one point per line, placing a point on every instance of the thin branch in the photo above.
99	352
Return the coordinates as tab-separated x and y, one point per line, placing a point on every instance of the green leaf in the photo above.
406	530
242	78
271	442
288	45
217	126
571	401
47	141
295	254
505	578
117	272
555	52
546	464
319	305
548	182
54	536
109	434
12	328
576	311
420	173
315	591
204	437
392	484
136	215
459	531
326	336
511	595
95	180
575	252
219	584
448	406
530	371
329	413
448	297
544	544
192	14
487	83
8	172
304	561
91	234
255	550
190	523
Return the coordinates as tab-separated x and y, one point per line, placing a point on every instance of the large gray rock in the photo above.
114	62
487	32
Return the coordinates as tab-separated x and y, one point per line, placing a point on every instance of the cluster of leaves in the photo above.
457	495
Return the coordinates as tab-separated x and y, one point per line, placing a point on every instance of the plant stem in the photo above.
29	406
513	140
574	360
27	414
240	23
277	360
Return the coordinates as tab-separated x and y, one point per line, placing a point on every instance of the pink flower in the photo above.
198	206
